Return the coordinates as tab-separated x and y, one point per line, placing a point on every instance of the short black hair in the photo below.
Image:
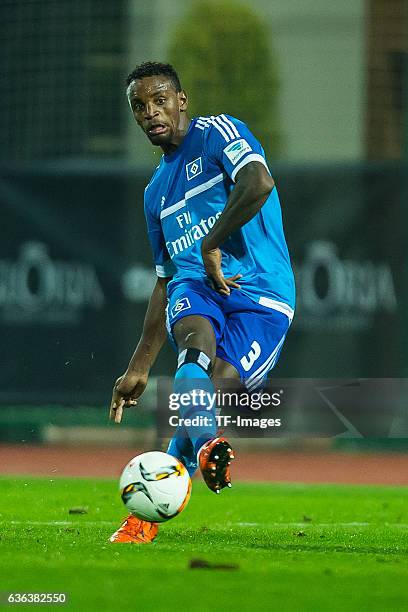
148	69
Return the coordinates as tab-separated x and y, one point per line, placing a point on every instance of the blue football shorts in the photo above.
248	335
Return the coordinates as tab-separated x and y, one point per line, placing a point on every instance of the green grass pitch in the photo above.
297	547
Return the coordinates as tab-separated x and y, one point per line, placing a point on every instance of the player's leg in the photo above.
187	301
180	445
191	332
196	341
216	455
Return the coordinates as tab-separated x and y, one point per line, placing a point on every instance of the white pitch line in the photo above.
239	524
312	524
59	523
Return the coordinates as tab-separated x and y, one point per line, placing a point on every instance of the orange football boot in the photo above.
214	459
135	531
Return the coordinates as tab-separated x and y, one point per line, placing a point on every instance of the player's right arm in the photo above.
130	386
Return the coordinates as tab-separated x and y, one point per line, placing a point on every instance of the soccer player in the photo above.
225	288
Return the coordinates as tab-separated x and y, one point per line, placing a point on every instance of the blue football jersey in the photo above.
186	196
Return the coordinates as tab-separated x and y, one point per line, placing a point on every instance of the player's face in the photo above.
157	108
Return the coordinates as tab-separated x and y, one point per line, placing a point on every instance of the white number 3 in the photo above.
247	361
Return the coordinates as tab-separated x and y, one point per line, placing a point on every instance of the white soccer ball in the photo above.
155	486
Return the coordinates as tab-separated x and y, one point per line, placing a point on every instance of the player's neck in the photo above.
178	138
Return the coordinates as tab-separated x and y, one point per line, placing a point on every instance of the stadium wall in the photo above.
73	295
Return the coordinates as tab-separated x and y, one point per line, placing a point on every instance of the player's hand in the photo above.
126	391
212	264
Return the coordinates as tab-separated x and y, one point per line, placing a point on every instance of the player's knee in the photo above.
189	360
195	332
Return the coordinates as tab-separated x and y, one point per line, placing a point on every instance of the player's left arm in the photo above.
252	189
